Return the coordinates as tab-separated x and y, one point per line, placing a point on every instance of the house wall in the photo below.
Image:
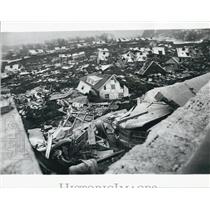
83	87
125	91
102	56
113	93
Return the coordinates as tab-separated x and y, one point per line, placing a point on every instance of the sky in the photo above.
19	38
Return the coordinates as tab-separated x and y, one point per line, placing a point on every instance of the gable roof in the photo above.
100	83
173	60
152	67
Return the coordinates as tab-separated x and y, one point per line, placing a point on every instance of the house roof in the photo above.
103	50
100	83
144	113
152	67
173	60
105	67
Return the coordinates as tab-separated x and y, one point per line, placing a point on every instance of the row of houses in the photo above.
32	52
141	54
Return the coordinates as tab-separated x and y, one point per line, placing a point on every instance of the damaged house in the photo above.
136	54
11	66
183	53
102	87
128	57
103	55
173	64
141	56
151	68
158	103
158	50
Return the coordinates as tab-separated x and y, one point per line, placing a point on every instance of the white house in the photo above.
105	87
12	67
140	56
183	52
40	51
128	57
158	50
57	48
123	40
33	52
103	55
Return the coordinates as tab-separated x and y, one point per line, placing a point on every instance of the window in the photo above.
120	95
82	87
160	52
104	87
112	86
107	96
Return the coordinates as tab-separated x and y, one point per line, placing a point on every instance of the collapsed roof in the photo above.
144	113
178	94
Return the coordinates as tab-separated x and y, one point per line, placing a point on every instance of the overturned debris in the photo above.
67	146
172	143
179	93
133	126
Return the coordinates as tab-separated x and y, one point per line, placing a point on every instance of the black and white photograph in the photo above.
105	102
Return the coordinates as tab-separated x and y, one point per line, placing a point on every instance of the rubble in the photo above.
86	103
172	143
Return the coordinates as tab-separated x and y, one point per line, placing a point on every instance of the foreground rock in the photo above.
171	144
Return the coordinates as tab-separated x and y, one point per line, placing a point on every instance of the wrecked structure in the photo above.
105	87
85	143
151	68
83	109
174	144
103	55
